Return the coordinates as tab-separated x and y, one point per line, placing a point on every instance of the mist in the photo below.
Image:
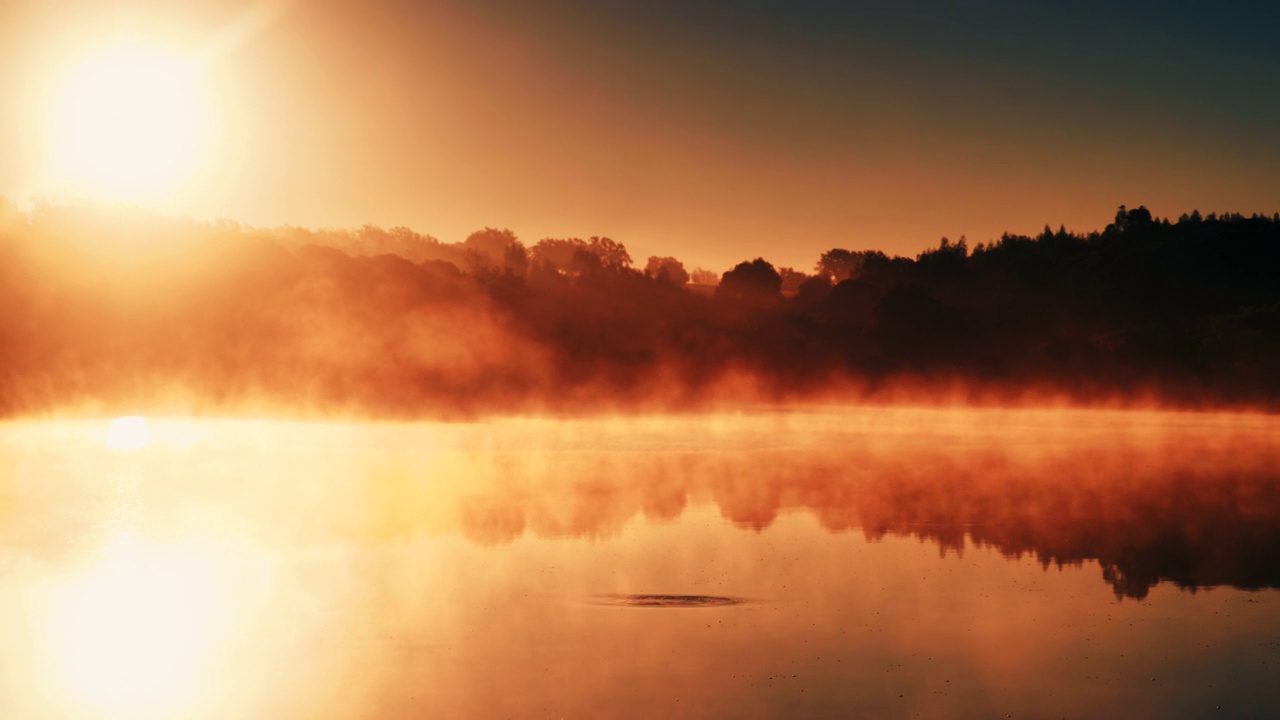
107	310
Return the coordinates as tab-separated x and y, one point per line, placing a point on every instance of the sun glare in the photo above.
128	433
130	635
127	123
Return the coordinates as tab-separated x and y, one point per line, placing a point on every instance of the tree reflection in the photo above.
1196	512
1151	497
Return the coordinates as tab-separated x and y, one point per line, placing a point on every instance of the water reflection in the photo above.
128	433
1194	501
894	563
131	634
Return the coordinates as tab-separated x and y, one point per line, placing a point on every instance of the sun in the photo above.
127	123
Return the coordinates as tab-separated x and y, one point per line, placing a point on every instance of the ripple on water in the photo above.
665	601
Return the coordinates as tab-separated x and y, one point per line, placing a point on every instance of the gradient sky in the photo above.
712	131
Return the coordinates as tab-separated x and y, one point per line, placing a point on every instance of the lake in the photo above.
778	562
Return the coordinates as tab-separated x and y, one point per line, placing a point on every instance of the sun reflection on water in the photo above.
128	433
132	635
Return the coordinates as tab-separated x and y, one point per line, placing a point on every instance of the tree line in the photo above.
101	308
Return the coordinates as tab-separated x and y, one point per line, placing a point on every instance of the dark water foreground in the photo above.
789	563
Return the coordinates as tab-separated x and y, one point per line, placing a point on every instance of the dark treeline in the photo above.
111	309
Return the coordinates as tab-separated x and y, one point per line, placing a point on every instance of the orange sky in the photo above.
700	130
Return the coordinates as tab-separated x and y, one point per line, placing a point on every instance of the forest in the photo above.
112	310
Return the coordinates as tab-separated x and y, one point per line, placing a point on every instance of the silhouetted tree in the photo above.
944	264
515	259
838	264
1128	220
791	279
612	254
666	269
813	291
851	303
556	254
753	283
703	276
491	243
917	330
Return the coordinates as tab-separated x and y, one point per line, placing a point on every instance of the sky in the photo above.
713	131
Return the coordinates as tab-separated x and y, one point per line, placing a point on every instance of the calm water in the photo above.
800	563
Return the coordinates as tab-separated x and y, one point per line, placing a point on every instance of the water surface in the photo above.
819	562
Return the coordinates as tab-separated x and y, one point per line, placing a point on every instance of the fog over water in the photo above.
780	561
